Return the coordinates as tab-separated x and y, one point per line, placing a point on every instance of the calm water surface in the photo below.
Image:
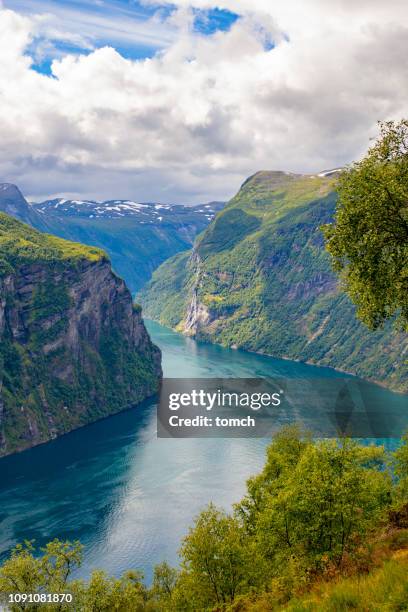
128	496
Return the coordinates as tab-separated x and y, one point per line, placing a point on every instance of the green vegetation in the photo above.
67	354
369	237
401	471
134	249
259	278
20	244
137	241
137	237
382	589
324	526
49	573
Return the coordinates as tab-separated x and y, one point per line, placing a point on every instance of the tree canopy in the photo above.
369	237
312	514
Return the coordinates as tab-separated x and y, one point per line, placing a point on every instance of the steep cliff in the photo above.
73	347
260	279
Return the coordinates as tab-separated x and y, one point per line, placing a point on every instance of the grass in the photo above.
385	588
379	583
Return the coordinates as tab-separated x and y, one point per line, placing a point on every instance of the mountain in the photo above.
73	347
137	236
13	203
259	278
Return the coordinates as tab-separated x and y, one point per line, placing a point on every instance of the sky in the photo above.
181	101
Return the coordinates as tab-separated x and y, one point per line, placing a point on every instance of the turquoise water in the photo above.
128	496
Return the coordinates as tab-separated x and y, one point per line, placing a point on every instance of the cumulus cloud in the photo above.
193	121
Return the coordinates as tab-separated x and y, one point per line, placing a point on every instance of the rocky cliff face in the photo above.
259	278
73	347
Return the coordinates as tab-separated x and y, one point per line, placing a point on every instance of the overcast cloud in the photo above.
193	121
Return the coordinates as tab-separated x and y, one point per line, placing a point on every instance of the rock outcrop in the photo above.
73	347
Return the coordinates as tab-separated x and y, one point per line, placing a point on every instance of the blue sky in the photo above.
136	30
169	102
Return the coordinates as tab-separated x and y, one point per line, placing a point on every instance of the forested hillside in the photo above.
259	278
323	527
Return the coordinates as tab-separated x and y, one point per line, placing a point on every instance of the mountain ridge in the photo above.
14	203
260	279
138	237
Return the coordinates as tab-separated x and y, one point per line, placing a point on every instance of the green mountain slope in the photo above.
135	250
138	237
73	348
259	278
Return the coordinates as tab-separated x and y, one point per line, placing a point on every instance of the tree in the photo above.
313	505
26	572
400	465
214	556
23	572
105	593
164	583
283	454
401	461
325	505
368	240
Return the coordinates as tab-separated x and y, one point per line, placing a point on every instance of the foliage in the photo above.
164	583
385	588
264	283
400	465
310	534
21	244
24	572
324	506
215	554
172	287
53	380
105	593
369	237
231	227
51	572
283	455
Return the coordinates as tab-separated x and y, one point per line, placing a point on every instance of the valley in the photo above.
129	496
259	279
138	237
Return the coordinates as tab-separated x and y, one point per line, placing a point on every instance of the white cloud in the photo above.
195	120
